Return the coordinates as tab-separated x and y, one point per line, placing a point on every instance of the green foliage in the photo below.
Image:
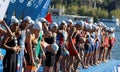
96	13
115	13
101	13
74	7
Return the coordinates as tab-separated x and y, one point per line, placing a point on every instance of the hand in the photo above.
2	22
33	63
37	60
18	49
44	57
14	49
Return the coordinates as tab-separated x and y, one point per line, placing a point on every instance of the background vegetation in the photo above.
97	11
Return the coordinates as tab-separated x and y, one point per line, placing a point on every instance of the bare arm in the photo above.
29	47
3	43
42	48
46	46
9	33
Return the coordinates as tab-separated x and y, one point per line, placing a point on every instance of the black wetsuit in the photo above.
50	56
9	61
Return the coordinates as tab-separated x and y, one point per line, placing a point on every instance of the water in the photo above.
116	49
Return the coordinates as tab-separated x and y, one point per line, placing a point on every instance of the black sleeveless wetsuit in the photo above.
9	61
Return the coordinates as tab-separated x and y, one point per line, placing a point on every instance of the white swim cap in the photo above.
32	22
63	22
70	21
81	23
100	23
37	25
111	29
28	18
53	24
88	26
42	19
14	21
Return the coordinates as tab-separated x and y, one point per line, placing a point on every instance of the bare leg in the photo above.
96	57
57	61
104	55
50	69
64	63
100	55
70	66
92	58
46	69
88	59
78	59
108	54
67	62
85	60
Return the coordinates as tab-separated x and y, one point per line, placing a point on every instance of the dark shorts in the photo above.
86	51
79	49
101	48
27	58
110	47
50	59
59	51
91	49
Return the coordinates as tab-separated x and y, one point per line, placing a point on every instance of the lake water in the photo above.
116	49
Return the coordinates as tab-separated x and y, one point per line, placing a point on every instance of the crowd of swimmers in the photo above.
58	46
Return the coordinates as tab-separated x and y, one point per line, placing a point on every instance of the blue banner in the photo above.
20	8
11	10
29	7
44	9
32	8
38	8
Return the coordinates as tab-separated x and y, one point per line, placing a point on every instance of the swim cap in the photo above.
37	25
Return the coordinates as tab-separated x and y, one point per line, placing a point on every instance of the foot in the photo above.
105	61
88	65
96	64
92	64
85	67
